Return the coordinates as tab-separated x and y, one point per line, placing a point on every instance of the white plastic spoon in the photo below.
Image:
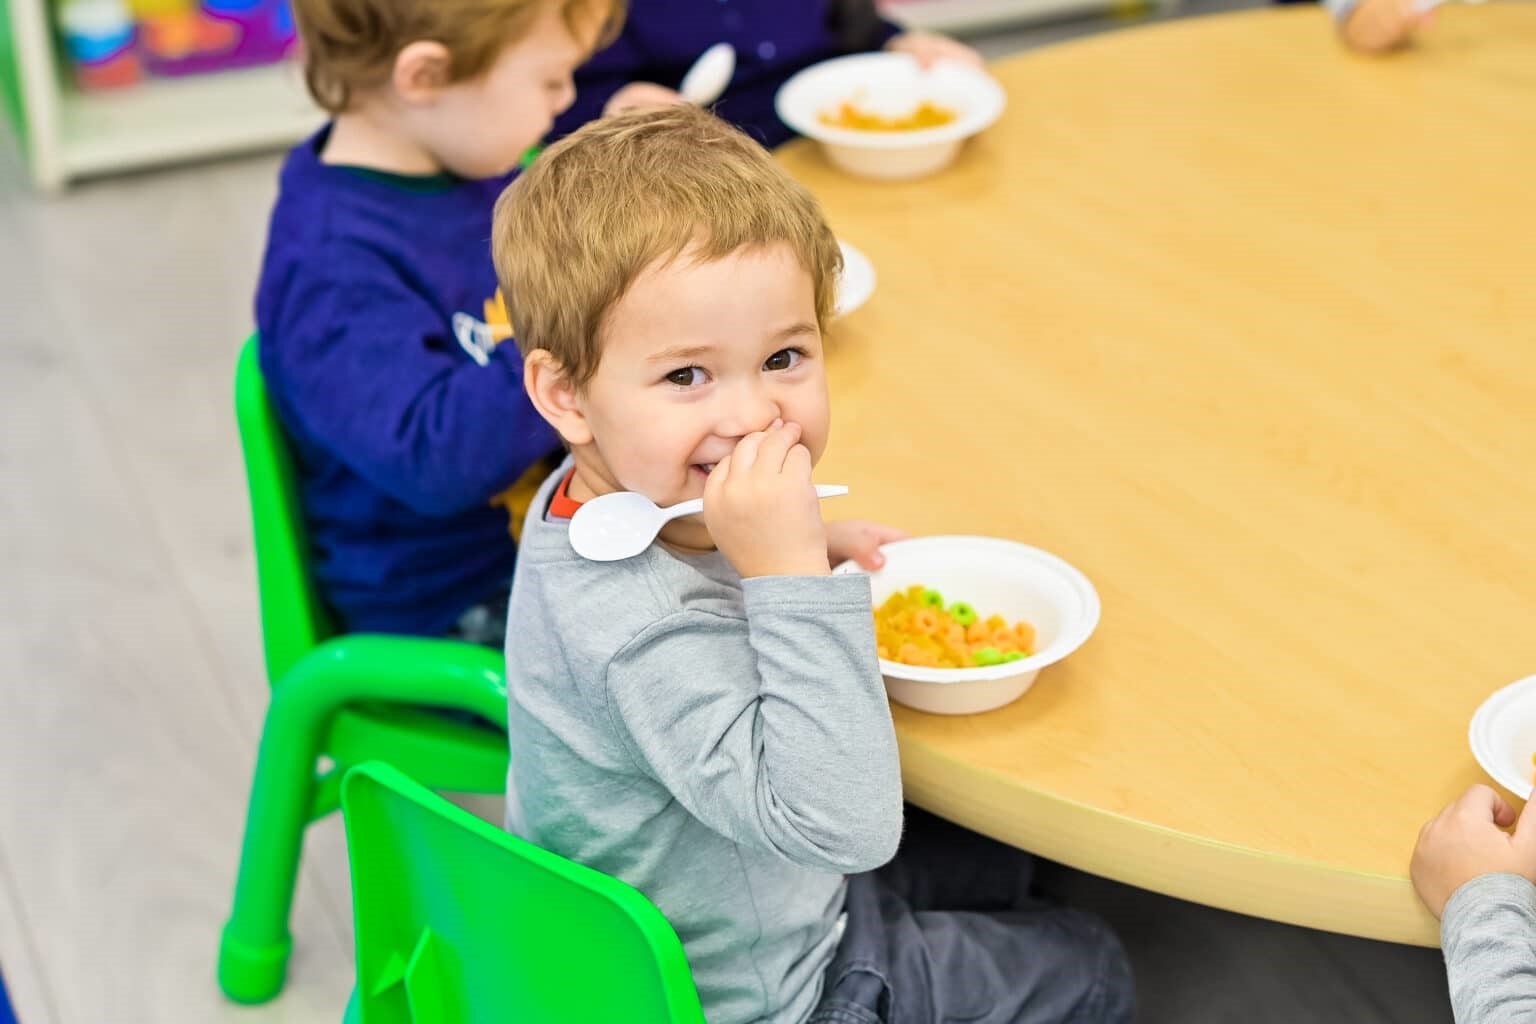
709	76
623	524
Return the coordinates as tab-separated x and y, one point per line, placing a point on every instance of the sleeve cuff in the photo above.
845	592
1482	891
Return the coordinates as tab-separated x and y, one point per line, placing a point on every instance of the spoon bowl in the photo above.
709	76
621	525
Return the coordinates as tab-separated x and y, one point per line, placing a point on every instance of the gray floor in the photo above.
130	684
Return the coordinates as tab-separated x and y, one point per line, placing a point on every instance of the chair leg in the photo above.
254	948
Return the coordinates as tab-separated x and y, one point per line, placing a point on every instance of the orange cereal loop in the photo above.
1024	633
883	651
977	631
995	623
955	634
926	621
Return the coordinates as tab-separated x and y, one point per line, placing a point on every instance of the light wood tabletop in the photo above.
1244	327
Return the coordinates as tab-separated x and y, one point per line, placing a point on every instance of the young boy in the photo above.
377	308
773	40
707	720
1478	879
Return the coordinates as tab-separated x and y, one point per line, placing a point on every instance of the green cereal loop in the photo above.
932	599
1014	656
988	656
962	613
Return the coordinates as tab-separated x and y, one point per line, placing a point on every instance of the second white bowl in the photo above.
890	81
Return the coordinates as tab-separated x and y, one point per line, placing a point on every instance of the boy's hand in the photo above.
860	540
1376	26
762	510
641	94
929	48
1466	840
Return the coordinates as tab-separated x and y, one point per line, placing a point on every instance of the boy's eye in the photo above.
784	359
687	377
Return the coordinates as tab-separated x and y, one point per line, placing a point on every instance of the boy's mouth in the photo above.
705	467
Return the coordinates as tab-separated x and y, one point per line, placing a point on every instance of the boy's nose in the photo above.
748	412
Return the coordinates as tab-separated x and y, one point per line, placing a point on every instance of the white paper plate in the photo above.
857	283
1503	736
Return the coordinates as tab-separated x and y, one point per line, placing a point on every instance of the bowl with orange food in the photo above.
881	115
966	624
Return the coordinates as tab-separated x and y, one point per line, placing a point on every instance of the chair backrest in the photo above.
459	922
293	618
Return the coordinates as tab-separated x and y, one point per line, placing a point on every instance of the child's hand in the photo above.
1376	26
641	94
859	540
762	510
1466	840
929	48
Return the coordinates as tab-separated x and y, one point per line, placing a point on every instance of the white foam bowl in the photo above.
890	81
996	577
1503	736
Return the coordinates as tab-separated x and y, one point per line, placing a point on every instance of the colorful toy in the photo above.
100	38
188	37
914	627
115	42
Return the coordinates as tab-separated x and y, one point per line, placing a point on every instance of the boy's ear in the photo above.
421	71
553	394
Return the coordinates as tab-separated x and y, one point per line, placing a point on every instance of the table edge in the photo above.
1228	876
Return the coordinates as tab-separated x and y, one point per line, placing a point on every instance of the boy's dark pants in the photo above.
947	931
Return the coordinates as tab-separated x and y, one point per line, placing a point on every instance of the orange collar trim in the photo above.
562	505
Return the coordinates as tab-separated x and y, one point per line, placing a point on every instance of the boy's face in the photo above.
481	128
695	357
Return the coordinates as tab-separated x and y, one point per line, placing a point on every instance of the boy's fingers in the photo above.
775	446
1525	824
1504	815
866	551
745	455
1483	804
717	478
797	463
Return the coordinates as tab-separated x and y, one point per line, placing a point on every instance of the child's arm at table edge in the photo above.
1488	934
780	740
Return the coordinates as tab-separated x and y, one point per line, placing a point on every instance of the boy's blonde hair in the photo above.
351	45
596	209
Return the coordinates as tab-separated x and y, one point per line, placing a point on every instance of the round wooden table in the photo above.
1244	327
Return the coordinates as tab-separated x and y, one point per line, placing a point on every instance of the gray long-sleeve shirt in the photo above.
1488	934
724	746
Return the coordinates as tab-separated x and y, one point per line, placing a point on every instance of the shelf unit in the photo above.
69	134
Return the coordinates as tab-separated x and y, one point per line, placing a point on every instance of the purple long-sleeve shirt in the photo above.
773	40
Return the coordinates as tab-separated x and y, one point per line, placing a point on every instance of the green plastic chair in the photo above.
460	923
346	699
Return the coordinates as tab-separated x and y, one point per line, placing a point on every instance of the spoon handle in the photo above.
694	507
